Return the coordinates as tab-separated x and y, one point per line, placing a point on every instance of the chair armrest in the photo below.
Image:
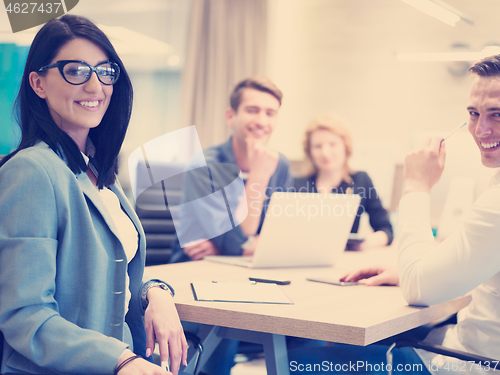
438	349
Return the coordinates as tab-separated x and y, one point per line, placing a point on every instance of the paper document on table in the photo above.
238	291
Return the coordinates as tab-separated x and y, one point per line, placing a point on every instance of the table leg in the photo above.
274	347
276	354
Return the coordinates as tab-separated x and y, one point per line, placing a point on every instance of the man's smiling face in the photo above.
256	116
484	121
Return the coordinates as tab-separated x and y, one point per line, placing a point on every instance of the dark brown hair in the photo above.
487	67
259	83
35	120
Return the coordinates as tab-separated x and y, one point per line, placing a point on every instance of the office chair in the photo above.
438	349
195	348
155	205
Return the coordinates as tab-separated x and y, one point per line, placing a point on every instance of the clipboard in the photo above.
239	291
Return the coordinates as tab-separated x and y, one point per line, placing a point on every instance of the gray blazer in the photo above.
63	270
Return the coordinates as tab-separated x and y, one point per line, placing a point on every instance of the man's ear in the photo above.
37	83
230	117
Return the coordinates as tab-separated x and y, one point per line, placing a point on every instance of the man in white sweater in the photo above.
468	261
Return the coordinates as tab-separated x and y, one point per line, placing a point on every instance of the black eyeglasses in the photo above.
78	72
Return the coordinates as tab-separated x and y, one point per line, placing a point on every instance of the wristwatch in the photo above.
154	284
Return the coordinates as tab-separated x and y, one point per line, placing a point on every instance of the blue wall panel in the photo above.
12	60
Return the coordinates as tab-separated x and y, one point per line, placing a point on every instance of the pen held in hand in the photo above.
454	131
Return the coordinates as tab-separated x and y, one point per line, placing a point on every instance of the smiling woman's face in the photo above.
328	151
75	108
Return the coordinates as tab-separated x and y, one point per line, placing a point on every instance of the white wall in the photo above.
155	113
340	56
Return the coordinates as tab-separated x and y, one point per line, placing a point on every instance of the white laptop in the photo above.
301	230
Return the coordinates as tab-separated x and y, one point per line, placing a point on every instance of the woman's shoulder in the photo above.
360	177
40	149
283	160
304	183
38	157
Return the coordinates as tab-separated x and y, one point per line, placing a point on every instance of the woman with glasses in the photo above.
72	249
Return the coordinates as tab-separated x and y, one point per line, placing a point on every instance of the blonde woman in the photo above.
328	147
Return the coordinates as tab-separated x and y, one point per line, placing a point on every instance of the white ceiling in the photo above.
147	33
402	27
166	21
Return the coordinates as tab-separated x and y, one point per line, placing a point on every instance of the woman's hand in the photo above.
162	322
139	366
374	276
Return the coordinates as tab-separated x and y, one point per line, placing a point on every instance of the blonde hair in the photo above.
336	125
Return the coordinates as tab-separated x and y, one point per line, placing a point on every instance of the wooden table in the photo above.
358	315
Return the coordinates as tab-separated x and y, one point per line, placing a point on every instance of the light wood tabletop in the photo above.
358	315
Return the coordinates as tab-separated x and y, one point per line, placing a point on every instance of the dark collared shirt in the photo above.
211	183
370	201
